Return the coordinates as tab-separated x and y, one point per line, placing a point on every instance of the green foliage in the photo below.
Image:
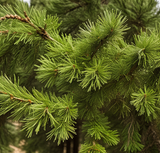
30	23
132	137
38	109
73	13
95	148
106	74
145	102
140	14
150	49
108	28
96	75
98	129
6	2
49	70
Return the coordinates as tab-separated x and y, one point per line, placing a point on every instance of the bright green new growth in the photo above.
94	76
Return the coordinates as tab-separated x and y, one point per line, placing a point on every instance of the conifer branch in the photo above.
130	134
16	98
41	31
147	147
78	6
145	135
104	2
84	88
133	68
11	16
101	43
150	133
4	32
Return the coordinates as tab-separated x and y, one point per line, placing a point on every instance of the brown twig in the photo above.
39	30
16	98
151	135
133	68
4	32
11	16
129	132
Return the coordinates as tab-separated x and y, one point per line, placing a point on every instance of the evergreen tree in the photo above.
81	67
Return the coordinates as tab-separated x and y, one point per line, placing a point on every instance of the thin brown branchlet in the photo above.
12	97
41	31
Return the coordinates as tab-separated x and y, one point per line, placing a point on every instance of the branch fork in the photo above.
41	31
